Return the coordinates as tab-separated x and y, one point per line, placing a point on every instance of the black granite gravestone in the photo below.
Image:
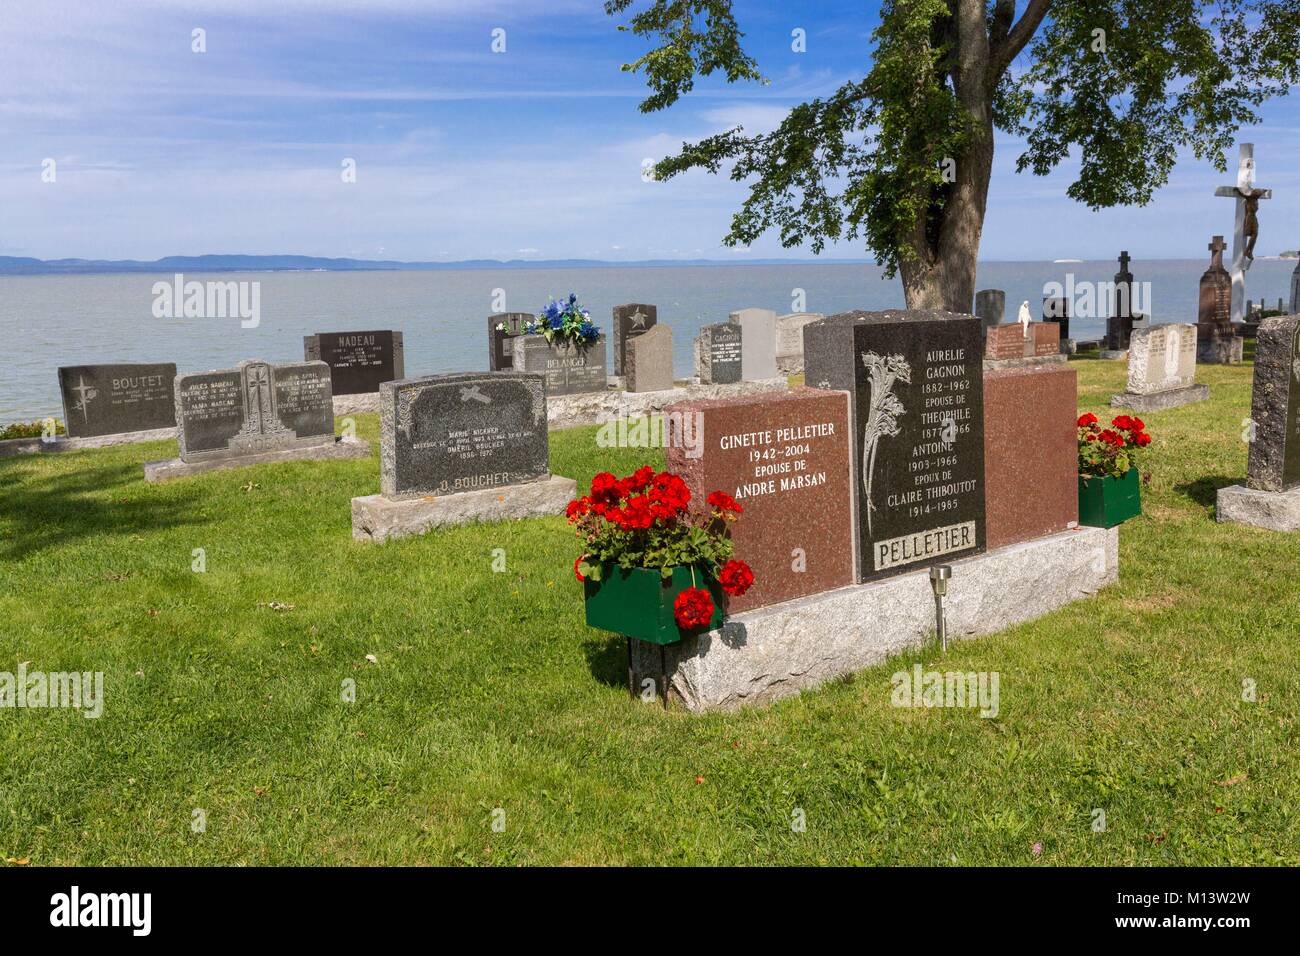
503	327
916	386
443	434
256	407
717	354
630	321
358	361
113	399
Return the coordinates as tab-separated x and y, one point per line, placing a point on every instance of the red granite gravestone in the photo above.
1030	452
1045	339
784	456
1005	342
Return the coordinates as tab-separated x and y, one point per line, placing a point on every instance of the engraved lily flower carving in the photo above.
883	413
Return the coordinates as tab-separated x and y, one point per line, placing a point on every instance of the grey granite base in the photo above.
1114	355
991	364
595	408
376	518
1156	401
341	448
1272	510
766	654
39	446
356	404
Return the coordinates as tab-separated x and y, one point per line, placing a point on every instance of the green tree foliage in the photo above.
900	158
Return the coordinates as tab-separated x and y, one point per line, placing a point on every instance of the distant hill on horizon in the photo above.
19	265
22	265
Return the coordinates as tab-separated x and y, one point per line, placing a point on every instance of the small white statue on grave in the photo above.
1025	318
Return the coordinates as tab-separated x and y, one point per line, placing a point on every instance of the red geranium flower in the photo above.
578	507
736	577
1087	419
604	487
693	608
724	502
1142	439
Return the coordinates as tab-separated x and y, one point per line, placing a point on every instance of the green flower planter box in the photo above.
638	602
1106	502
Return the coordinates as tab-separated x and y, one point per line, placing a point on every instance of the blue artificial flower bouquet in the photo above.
565	322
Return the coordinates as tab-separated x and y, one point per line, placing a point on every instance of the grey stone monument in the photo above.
503	328
103	400
990	307
251	414
717	354
469	446
1295	290
650	360
1271	496
757	343
789	340
1161	369
630	320
568	369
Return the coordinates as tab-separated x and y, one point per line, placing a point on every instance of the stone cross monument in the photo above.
1246	230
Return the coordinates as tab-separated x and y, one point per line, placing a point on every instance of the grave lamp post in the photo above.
939	576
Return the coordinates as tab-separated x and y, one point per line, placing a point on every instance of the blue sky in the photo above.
461	152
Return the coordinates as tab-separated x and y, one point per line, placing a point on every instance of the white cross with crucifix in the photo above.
1242	192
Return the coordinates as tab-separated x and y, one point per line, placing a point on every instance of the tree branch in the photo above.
1005	50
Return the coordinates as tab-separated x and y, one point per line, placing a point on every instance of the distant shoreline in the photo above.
22	266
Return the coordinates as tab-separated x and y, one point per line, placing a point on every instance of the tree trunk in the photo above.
941	274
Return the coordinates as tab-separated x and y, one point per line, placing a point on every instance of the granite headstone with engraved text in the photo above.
717	354
784	456
1004	342
789	340
115	399
916	385
568	369
256	407
442	434
359	361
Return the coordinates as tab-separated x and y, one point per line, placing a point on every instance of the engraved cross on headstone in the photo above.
82	389
258	384
1246	194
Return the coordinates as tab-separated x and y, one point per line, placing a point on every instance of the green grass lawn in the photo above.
487	691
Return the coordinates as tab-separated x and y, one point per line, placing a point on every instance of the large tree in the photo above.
901	157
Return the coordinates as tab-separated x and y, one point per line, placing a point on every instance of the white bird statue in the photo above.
1024	318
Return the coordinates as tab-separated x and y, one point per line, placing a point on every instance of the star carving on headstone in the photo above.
638	319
